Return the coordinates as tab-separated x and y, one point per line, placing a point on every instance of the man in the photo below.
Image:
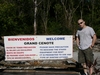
85	39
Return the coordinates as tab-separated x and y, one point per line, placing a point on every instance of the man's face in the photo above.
81	23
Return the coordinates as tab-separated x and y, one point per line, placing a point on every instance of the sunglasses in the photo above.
80	23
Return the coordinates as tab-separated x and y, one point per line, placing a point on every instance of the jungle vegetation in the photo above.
47	17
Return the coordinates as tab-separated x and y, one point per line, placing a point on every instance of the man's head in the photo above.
81	23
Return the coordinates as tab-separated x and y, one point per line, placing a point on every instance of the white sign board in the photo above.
38	47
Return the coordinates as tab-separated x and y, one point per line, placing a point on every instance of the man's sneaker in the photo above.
83	74
87	73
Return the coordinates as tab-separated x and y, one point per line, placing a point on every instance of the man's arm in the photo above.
77	40
94	40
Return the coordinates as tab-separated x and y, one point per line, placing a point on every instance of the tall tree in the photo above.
35	12
36	3
69	10
44	11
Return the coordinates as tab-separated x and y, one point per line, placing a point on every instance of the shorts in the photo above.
85	56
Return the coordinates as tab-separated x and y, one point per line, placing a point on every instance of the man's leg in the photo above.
85	68
90	70
89	60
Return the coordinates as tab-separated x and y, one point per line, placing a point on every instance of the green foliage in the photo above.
58	10
7	18
17	16
14	20
97	30
58	29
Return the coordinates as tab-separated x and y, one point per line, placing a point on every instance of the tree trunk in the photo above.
35	12
44	14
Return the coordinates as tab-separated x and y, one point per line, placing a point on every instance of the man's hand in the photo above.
91	46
